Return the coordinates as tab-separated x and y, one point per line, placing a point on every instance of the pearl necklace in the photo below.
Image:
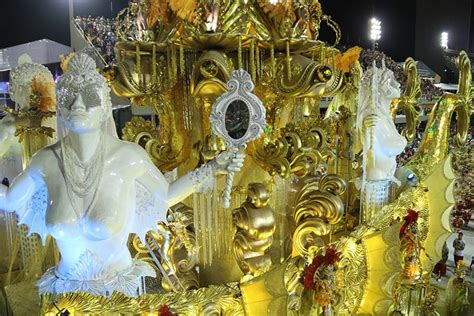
82	178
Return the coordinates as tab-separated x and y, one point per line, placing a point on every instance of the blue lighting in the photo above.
411	177
4	87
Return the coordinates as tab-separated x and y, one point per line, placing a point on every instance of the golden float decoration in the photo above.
294	195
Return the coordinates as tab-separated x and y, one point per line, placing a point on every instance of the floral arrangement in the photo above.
43	97
320	277
411	246
165	311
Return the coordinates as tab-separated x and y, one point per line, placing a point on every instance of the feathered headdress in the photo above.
32	86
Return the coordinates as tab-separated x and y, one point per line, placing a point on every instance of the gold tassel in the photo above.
154	77
203	231
197	230
174	63
252	60
239	54
181	62
272	59
288	60
257	59
138	67
168	64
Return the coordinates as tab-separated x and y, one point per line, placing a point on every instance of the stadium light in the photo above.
375	31
444	40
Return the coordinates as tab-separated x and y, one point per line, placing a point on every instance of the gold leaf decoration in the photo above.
254	225
318	207
153	13
21	131
64	61
158	10
409	100
279	11
222	298
300	148
139	130
345	60
184	9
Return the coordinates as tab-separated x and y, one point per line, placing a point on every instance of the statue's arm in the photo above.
176	191
20	191
198	180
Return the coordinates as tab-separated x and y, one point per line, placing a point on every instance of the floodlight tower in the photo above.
375	32
444	40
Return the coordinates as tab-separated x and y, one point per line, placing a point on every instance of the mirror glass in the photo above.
237	119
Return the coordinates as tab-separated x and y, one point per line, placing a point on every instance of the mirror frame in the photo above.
240	87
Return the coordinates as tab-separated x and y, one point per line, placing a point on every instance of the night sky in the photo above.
28	20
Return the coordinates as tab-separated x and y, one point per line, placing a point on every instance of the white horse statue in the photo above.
379	138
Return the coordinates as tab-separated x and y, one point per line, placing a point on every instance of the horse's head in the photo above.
388	85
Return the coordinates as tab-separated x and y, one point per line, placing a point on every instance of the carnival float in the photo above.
247	198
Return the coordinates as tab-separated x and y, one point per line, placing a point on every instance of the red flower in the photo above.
165	311
318	261
329	258
308	281
411	217
332	256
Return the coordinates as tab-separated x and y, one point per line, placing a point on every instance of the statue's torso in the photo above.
103	229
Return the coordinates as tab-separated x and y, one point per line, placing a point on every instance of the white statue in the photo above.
10	167
32	89
379	138
90	190
375	125
10	150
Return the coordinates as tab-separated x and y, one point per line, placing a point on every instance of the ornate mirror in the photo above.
238	116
